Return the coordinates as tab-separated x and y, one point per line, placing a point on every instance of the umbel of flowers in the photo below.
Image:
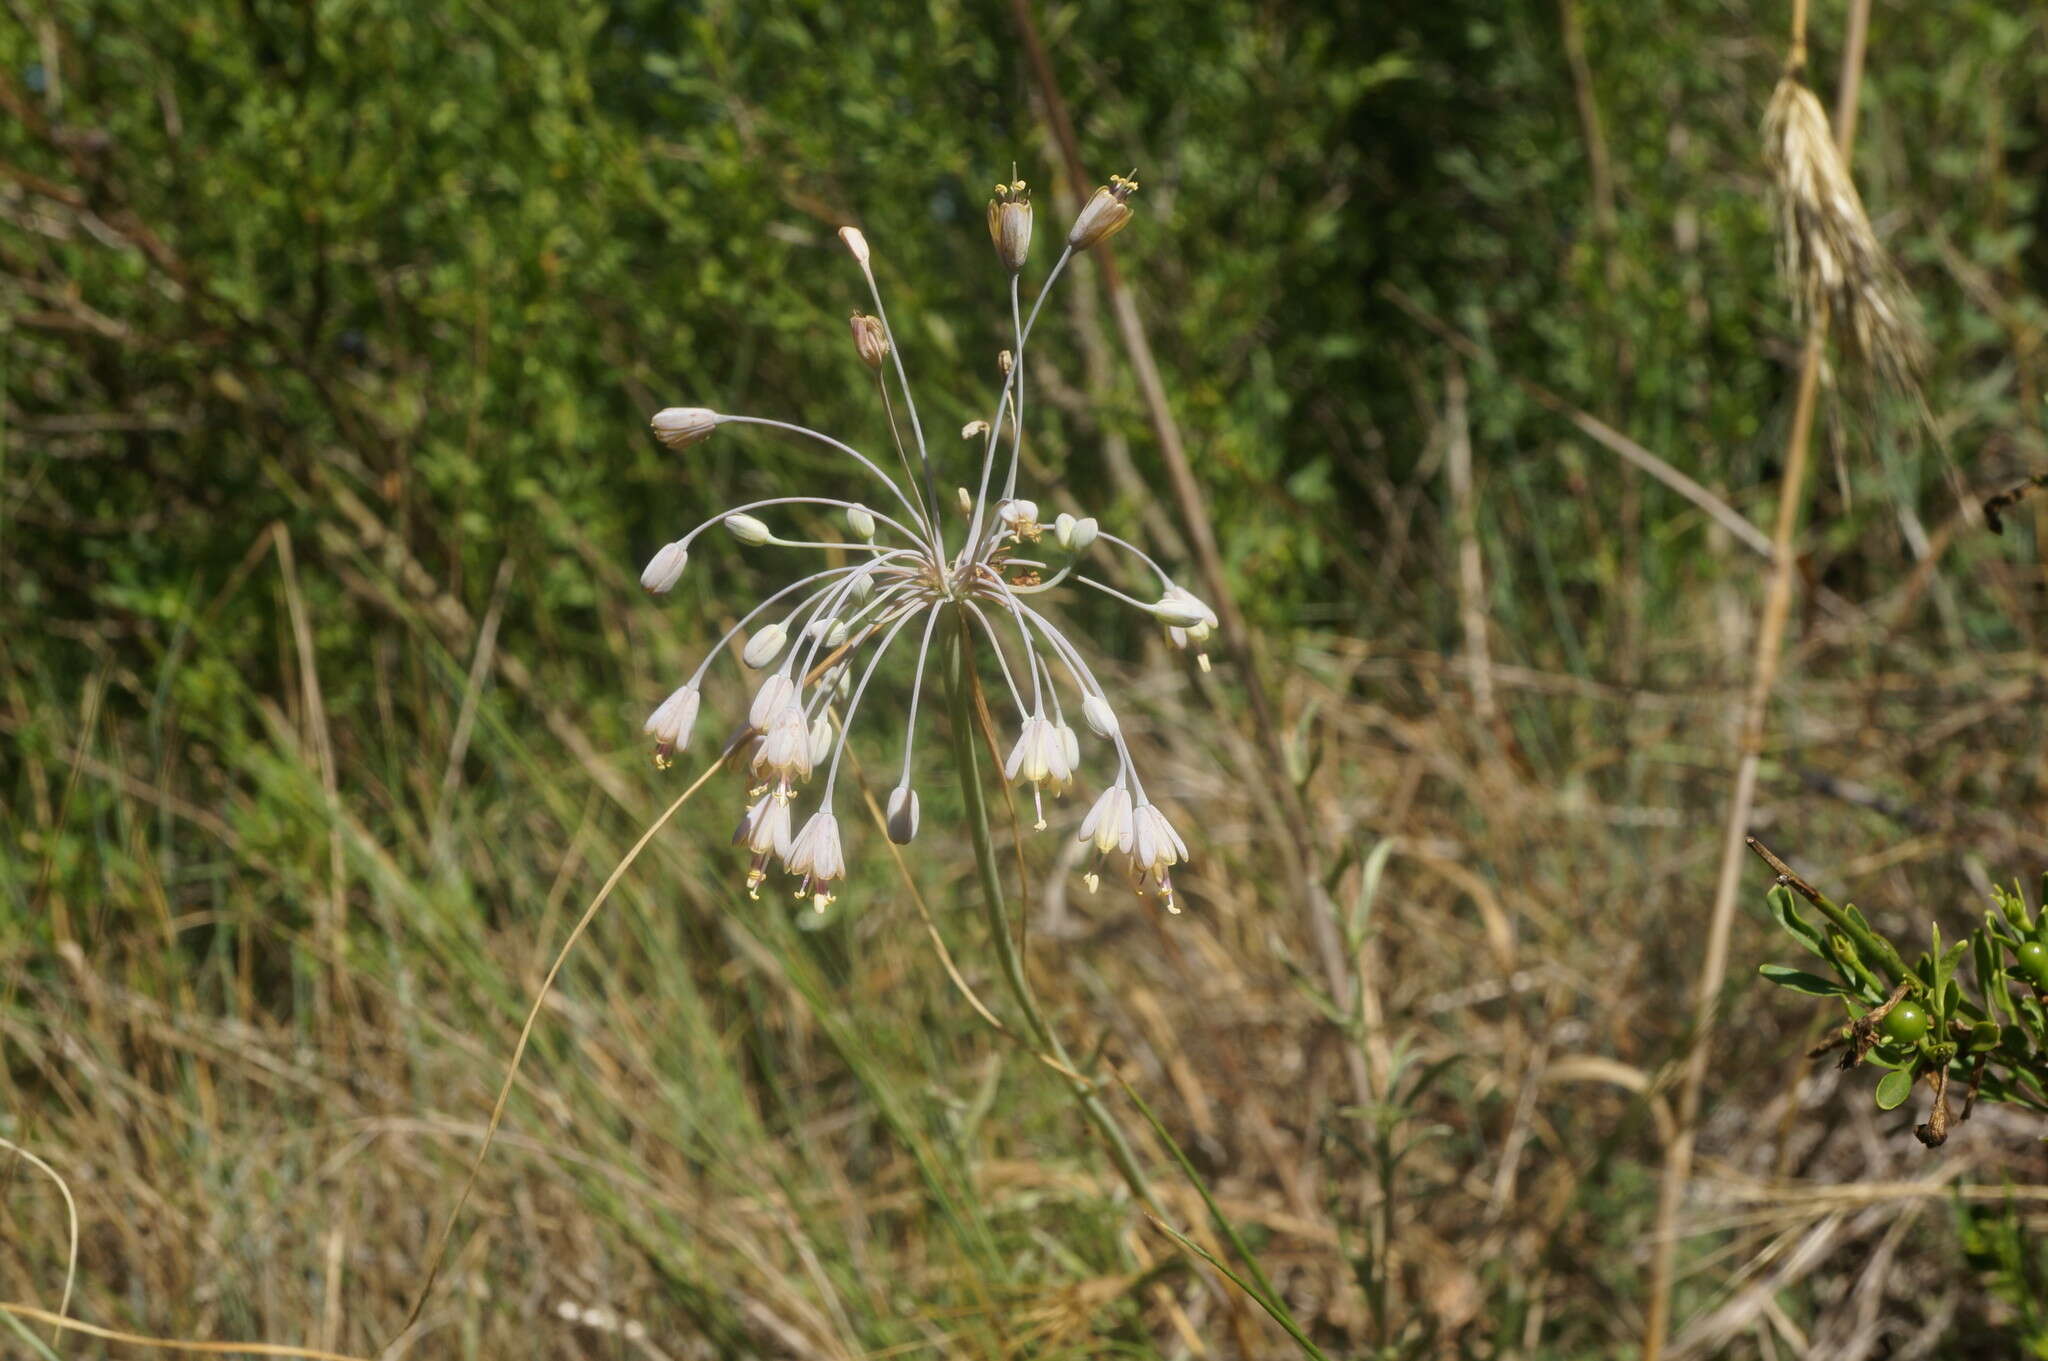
818	641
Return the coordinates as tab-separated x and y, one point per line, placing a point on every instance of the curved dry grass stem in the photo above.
440	1250
71	1217
35	1315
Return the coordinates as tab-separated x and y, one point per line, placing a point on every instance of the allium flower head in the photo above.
821	638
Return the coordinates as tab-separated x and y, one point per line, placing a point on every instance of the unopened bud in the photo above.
861	521
1082	536
966	501
765	646
1005	361
821	739
902	819
748	530
1104	215
860	588
1009	224
665	569
856	244
869	339
1101	718
679	427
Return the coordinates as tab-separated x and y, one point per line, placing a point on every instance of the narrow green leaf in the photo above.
1799	981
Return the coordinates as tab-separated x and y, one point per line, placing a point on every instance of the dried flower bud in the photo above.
1104	215
1005	361
974	429
679	427
856	244
861	521
1009	224
902	819
765	646
869	339
966	501
665	569
748	530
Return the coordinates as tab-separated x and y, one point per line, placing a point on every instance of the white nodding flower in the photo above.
670	723
679	427
765	828
1108	823
747	530
785	748
775	692
765	646
1155	846
1040	756
816	853
821	740
665	568
856	244
842	618
902	819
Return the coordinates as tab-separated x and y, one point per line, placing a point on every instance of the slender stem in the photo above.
1770	643
959	685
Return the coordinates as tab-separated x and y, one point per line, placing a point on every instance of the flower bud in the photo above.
966	501
870	341
902	819
1104	215
1005	361
856	245
1101	718
831	632
765	646
1070	745
679	427
665	569
1009	224
860	588
821	740
861	520
1082	536
973	429
1178	609
748	530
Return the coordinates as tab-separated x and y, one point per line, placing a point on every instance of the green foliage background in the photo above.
331	333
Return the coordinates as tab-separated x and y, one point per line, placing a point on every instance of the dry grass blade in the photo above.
71	1219
36	1315
1832	261
540	998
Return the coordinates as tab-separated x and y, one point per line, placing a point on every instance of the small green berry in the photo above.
2034	963
1904	1023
